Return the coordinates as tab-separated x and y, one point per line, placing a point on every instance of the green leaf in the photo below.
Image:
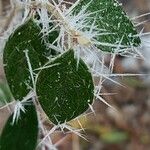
111	18
114	137
27	37
5	94
64	91
22	135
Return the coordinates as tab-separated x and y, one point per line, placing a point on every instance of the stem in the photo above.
1	8
15	9
59	16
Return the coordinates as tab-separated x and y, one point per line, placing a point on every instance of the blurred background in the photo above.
125	129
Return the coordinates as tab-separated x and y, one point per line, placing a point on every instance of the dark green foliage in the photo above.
22	135
65	87
26	37
112	19
64	91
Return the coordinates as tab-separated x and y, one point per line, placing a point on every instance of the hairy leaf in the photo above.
25	42
22	135
64	91
112	21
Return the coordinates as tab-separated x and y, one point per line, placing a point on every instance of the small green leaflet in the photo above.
5	94
23	134
26	40
65	91
111	20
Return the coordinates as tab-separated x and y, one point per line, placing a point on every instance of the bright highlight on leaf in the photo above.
22	135
65	91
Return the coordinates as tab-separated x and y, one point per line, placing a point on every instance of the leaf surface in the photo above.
22	135
111	20
64	91
25	42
